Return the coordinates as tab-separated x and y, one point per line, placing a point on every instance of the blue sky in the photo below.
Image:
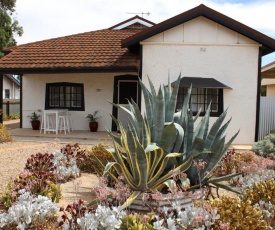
55	18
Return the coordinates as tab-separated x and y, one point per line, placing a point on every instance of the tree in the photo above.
9	26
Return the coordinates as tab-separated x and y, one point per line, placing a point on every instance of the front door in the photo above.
125	88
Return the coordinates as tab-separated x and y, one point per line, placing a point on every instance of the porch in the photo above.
77	136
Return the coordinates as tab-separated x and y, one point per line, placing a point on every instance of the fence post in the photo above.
8	108
1	98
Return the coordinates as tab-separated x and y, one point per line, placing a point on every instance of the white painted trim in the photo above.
199	44
268	68
136	20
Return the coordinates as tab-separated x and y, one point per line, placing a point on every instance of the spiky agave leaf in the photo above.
214	130
159	117
170	105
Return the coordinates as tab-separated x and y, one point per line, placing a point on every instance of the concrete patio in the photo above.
77	136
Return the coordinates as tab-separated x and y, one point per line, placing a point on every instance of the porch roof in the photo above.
95	51
202	82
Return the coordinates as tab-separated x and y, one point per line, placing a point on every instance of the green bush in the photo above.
265	147
5	117
14	116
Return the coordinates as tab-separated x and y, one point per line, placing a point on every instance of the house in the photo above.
268	79
11	87
221	57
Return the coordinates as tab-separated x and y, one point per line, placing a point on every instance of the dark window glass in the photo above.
127	90
65	95
7	94
201	98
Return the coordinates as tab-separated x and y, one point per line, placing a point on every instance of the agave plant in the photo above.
154	144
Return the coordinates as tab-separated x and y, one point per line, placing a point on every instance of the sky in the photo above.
42	19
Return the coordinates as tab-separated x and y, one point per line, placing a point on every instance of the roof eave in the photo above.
53	70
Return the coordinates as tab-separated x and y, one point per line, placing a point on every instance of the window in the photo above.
7	93
65	95
200	99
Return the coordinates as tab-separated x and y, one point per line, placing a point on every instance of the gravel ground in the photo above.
13	157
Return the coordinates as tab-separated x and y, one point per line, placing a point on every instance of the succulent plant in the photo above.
152	145
261	191
66	168
136	222
40	162
239	214
28	211
78	216
265	147
73	151
96	159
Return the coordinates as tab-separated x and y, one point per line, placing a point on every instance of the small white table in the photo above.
56	113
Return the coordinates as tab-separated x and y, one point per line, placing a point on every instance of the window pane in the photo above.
200	99
65	95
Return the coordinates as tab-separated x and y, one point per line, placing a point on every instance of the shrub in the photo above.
40	162
73	151
66	167
268	211
38	183
261	190
238	162
4	135
241	215
77	216
226	165
14	116
30	211
250	179
137	221
265	146
96	159
5	117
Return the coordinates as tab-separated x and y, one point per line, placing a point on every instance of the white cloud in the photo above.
48	19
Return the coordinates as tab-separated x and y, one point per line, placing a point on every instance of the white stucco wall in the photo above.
202	48
34	87
14	88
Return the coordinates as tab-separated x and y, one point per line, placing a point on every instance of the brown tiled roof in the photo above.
92	51
202	10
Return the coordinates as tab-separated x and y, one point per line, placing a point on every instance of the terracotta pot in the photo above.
139	205
35	124
93	126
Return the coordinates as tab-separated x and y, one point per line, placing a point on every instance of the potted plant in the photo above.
93	124
162	140
34	119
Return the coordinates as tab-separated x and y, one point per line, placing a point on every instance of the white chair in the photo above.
50	122
69	122
62	124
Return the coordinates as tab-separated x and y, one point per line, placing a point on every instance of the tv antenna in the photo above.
142	14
